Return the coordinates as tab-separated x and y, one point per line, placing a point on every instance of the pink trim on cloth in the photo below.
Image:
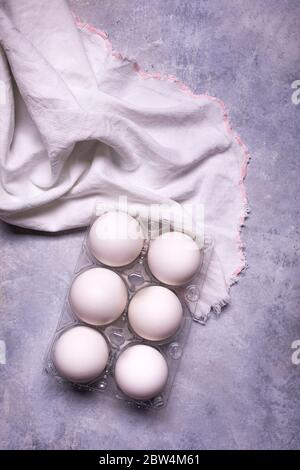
186	89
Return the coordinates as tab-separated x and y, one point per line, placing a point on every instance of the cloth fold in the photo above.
79	122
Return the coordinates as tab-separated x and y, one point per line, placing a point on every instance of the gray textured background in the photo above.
236	387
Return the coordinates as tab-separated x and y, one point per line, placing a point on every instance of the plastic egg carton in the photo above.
119	334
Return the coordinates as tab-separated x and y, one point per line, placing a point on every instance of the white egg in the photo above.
174	258
141	372
98	296
155	313
80	354
116	239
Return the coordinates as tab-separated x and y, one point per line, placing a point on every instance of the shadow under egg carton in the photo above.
118	334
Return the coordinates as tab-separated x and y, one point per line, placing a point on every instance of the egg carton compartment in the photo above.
119	335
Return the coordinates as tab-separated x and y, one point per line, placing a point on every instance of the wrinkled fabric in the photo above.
78	122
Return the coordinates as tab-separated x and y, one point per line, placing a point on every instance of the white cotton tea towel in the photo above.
79	122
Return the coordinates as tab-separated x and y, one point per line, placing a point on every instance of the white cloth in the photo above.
78	122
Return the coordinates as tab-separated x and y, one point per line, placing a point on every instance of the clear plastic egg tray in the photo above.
118	334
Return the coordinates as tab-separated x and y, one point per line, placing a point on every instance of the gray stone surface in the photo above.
237	387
